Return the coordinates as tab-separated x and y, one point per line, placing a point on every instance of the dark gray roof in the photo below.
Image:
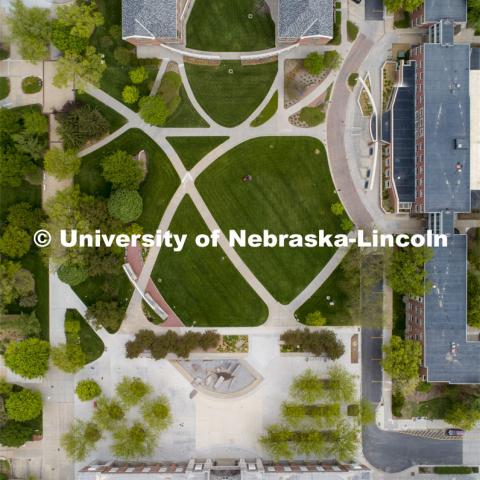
475	200
305	18
447	127
475	59
448	355
435	10
149	18
386	124
403	122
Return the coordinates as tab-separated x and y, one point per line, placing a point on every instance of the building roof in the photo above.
436	10
448	355
305	18
447	127
149	18
403	147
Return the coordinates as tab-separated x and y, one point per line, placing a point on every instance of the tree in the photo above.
87	389
24	405
84	68
23	215
69	357
307	388
72	274
310	442
80	439
464	415
153	110
133	442
14	166
32	145
132	390
367	412
15	242
156	413
109	315
314	63
108	413
209	339
402	360
34	122
315	319
15	434
277	442
344	444
138	75
293	413
82	18
125	205
28	358
341	385
397	5
473	298
406	270
30	28
63	39
122	170
61	164
130	94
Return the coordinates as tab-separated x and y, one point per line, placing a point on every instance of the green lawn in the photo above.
230	26
268	112
352	31
337	29
32	261
291	192
114	119
185	116
230	92
340	287
192	149
90	342
4	87
106	40
156	190
201	284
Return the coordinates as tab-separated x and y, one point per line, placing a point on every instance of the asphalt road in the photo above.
373	9
390	451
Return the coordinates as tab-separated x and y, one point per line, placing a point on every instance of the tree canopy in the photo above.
132	390
397	5
122	170
28	358
24	405
61	164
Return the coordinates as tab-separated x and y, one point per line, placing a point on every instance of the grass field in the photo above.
114	119
185	116
90	342
156	190
268	112
230	26
291	192
192	149
201	284
230	92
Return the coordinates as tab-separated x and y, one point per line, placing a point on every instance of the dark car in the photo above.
454	432
358	1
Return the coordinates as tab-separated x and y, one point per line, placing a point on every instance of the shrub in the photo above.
352	79
68	357
4	87
122	170
122	55
72	274
31	84
138	75
337	208
323	342
61	164
314	63
72	326
332	59
424	387
153	110
15	434
24	405
346	224
130	94
87	390
315	319
125	205
28	358
209	339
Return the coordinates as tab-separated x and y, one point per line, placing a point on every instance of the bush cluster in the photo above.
323	342
171	342
31	84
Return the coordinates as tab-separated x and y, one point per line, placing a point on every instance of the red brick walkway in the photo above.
134	258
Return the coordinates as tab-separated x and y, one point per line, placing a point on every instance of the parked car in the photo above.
358	1
455	432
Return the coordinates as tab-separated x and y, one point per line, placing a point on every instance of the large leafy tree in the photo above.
132	390
15	434
397	5
464	414
153	110
406	270
134	441
276	442
80	440
402	360
24	216
69	357
81	18
341	384
156	413
24	405
61	164
28	358
122	170
125	205
307	388
108	413
15	242
14	166
87	389
30	28
108	315
345	442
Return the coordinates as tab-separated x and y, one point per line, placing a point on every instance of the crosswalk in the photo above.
435	434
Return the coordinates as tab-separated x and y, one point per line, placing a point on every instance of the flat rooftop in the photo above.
448	355
447	127
403	141
305	18
149	18
436	10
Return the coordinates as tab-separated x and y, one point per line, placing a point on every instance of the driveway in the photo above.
392	451
373	9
